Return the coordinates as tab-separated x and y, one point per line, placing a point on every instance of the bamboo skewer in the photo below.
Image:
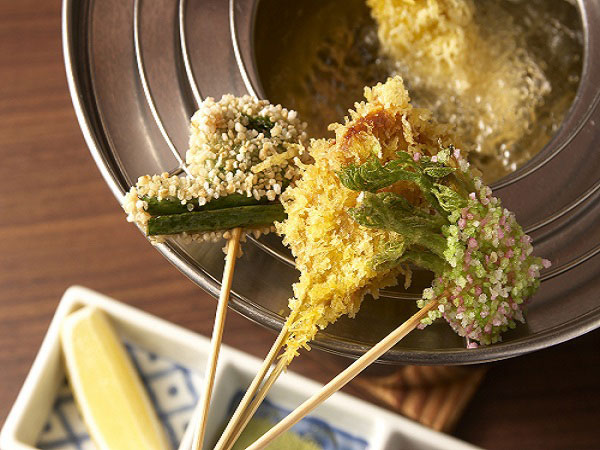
344	377
258	399
233	246
239	418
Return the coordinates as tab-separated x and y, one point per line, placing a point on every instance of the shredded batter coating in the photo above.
472	67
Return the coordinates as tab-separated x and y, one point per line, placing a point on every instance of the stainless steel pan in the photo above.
136	72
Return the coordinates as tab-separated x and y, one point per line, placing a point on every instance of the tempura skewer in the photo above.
233	246
256	402
243	154
344	377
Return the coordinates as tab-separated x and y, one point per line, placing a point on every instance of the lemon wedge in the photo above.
106	386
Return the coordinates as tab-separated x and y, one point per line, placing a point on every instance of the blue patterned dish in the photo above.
168	359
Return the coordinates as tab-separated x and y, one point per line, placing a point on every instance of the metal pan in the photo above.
137	70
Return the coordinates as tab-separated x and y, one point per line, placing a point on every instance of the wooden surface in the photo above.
60	226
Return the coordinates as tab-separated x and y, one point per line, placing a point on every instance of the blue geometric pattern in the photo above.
310	428
65	428
172	388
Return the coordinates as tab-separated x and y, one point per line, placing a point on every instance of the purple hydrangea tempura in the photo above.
491	271
482	259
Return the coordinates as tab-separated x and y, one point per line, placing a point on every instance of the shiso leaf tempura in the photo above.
390	192
333	252
243	153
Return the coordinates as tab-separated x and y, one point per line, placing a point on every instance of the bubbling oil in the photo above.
514	77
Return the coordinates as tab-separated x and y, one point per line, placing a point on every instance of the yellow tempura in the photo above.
473	70
333	253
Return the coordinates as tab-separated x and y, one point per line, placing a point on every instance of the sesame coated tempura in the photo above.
240	148
232	137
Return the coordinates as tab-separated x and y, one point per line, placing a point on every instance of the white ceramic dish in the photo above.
169	357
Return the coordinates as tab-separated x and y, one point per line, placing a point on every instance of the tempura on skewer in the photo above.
332	251
243	153
242	156
389	193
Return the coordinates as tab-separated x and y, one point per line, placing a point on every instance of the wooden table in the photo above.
60	226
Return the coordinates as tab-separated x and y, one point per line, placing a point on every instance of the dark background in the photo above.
60	225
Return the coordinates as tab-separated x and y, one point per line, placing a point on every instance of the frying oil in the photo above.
503	72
